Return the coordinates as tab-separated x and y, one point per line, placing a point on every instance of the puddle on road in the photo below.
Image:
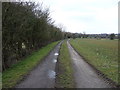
51	74
56	54
74	58
54	60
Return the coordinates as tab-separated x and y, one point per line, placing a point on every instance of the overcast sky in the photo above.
89	16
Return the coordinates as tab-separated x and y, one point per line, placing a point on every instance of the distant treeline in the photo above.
111	36
26	27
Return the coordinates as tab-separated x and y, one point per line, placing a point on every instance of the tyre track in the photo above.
85	76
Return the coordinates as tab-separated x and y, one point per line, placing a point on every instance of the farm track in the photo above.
43	76
85	75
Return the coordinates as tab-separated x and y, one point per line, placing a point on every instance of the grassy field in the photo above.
103	54
14	74
65	71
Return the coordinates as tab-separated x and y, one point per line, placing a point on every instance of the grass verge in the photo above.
64	69
103	54
16	73
0	80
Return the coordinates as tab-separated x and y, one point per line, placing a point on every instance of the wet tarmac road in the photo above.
43	76
85	76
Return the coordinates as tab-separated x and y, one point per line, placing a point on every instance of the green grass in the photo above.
0	80
65	71
103	54
14	74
